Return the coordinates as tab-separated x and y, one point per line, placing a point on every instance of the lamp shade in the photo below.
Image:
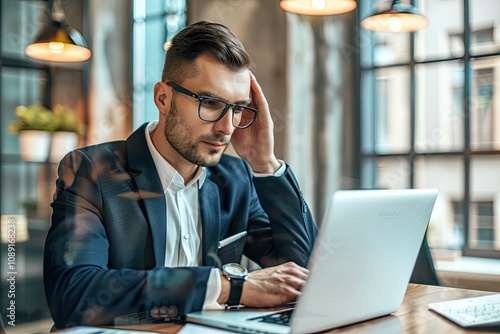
400	17
318	7
58	41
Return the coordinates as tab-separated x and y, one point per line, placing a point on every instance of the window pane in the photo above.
155	23
154	7
367	112
19	87
16	33
482	233
391	48
149	38
381	48
155	53
443	37
392	110
439	107
485	25
485	104
485	197
393	173
447	221
368	173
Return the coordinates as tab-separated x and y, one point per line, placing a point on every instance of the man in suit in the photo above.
146	224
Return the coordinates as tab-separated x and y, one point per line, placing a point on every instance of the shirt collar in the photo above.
166	172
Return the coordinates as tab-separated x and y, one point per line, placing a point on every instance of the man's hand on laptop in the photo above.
270	286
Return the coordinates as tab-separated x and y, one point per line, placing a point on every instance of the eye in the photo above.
238	109
212	104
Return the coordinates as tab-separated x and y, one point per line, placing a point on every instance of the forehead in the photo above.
214	77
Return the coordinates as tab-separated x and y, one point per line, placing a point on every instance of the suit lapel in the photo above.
150	191
210	218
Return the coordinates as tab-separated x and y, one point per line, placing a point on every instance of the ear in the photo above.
162	97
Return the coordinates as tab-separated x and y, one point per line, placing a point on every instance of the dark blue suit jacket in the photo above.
105	250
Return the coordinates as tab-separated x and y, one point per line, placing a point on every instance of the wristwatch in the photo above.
236	274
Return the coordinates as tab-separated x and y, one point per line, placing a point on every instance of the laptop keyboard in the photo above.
281	318
472	312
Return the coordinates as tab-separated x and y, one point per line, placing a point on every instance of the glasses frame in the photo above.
201	98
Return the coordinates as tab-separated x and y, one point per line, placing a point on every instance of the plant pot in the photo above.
62	143
34	145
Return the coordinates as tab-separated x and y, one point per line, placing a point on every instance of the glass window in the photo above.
485	105
19	87
378	48
17	34
439	107
393	173
482	232
485	26
154	7
448	133
155	23
444	173
458	225
392	110
391	48
443	37
367	110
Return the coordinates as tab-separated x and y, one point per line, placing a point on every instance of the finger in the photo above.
292	268
289	294
154	312
295	282
258	97
164	312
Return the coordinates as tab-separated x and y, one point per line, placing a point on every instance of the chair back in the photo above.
424	271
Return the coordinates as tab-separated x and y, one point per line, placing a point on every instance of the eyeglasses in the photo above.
211	109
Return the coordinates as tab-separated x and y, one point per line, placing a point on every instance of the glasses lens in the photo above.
211	109
243	117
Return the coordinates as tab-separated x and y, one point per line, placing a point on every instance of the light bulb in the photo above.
56	48
172	22
394	24
167	45
318	4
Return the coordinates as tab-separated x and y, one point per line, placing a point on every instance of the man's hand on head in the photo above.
255	144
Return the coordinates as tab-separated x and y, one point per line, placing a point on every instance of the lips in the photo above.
215	145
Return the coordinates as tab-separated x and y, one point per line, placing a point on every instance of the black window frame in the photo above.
369	157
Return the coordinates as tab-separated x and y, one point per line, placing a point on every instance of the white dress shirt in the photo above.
183	220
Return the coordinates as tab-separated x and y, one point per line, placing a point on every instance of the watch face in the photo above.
234	269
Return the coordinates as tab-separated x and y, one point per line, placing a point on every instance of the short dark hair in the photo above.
213	39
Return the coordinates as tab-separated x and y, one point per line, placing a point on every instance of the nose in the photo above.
225	124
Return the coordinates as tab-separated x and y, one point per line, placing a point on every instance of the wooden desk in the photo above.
412	317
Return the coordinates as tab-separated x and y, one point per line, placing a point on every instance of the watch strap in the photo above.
235	291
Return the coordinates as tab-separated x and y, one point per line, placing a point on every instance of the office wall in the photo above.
321	69
110	70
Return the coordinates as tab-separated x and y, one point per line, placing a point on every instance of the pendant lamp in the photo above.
400	17
318	7
58	41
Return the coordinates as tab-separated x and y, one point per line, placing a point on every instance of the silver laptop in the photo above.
359	269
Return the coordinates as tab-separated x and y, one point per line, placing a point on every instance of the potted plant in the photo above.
34	126
66	135
42	131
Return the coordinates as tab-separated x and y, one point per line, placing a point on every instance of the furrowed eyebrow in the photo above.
245	102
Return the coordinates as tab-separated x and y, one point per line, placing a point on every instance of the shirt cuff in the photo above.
214	287
278	173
